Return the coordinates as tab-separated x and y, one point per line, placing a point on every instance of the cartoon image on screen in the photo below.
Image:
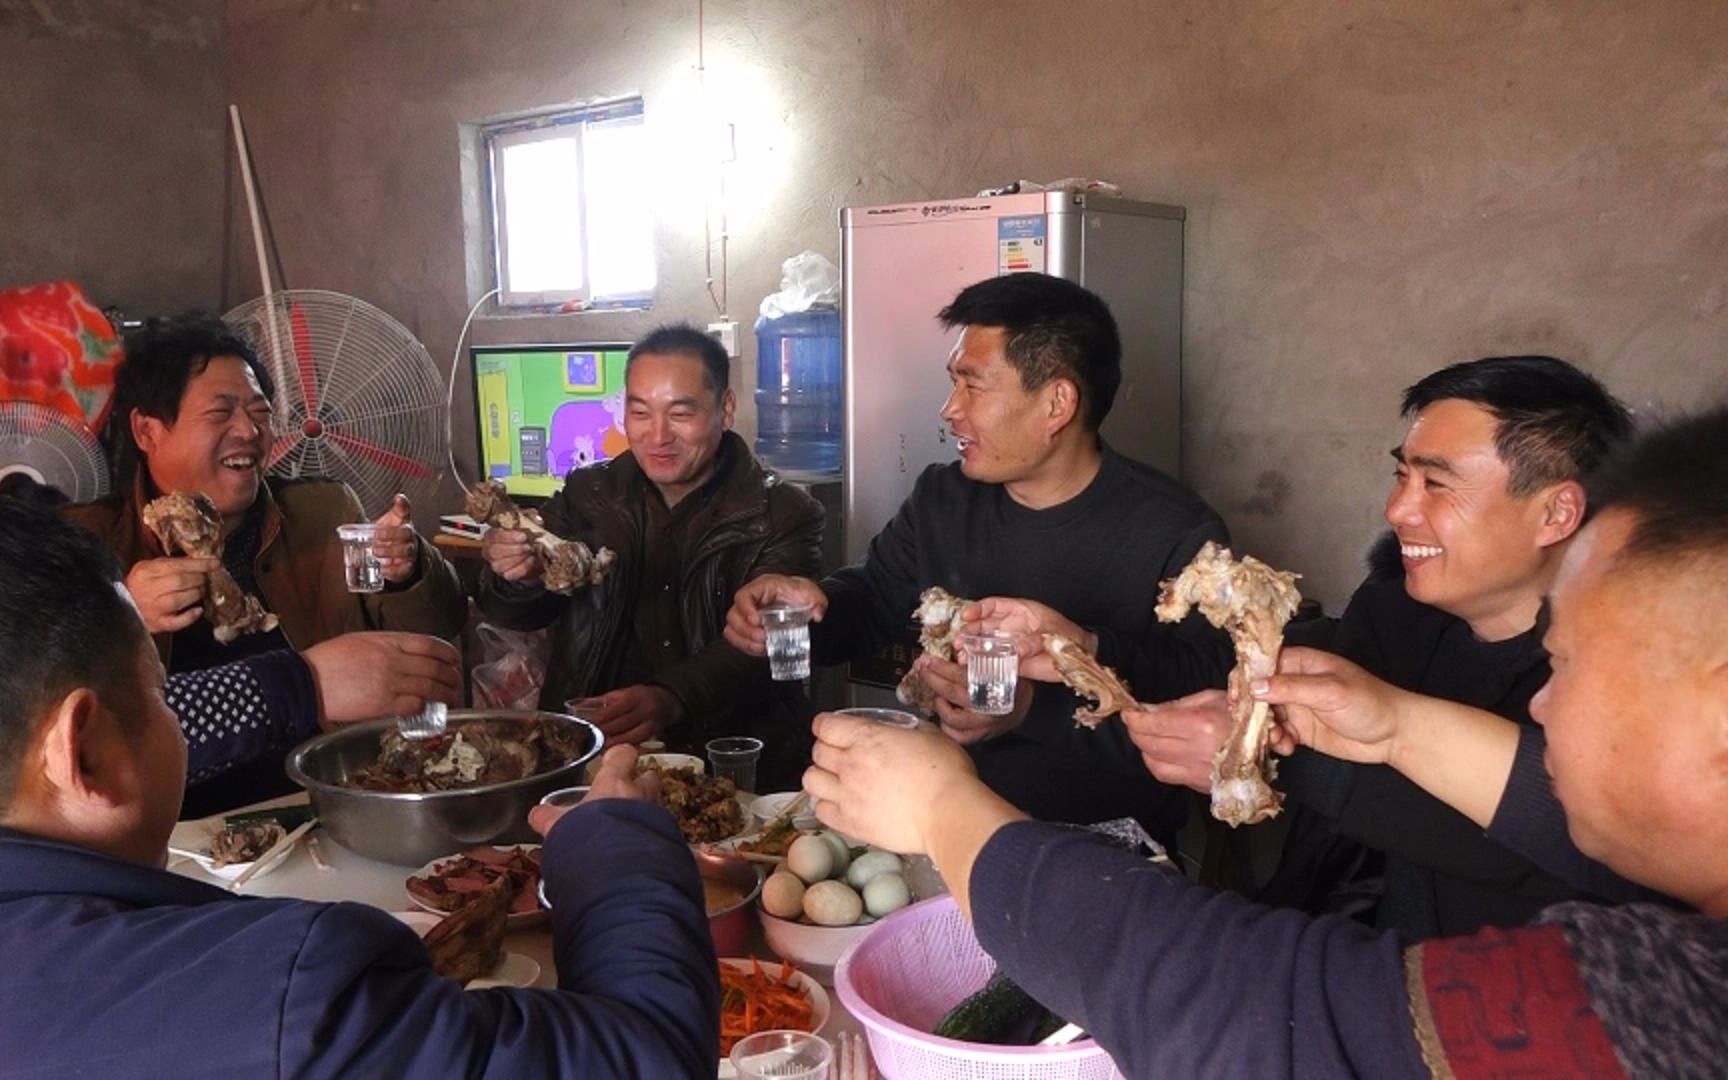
543	410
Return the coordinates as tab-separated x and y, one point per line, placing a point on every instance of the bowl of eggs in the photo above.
826	896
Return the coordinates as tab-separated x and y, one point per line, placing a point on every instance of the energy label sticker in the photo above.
1020	244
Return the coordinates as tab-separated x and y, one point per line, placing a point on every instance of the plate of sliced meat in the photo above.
445	885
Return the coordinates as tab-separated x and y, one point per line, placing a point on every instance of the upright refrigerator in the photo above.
901	264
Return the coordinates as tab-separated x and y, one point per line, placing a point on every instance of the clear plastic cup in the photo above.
788	641
735	757
782	1055
889	717
565	797
992	672
428	723
364	573
583	709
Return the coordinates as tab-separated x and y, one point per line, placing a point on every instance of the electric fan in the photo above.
357	397
51	448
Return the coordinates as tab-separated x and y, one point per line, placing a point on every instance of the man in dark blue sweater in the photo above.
1037	506
115	967
1176	980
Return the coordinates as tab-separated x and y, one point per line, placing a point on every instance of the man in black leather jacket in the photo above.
692	516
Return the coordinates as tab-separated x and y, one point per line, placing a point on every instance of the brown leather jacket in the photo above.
756	524
299	565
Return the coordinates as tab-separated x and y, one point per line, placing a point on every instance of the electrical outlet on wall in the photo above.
726	333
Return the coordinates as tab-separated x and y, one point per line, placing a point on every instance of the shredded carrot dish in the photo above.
761	1000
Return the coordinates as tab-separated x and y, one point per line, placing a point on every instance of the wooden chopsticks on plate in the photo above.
276	849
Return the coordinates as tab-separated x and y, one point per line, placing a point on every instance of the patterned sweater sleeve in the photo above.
240	711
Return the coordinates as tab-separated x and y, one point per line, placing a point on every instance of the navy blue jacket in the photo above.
113	970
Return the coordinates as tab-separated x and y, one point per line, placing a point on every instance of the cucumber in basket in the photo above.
1001	1014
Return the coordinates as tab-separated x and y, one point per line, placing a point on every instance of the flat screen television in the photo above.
542	410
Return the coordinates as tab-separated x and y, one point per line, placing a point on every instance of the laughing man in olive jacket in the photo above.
692	516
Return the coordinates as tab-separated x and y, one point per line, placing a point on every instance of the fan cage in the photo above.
357	397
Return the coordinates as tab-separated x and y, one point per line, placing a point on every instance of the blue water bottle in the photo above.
798	388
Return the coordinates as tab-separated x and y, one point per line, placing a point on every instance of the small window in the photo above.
571	221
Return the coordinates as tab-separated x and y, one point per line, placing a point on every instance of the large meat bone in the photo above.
570	564
188	524
1251	602
938	615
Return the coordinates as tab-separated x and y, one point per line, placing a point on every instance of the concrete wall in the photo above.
1374	188
112	161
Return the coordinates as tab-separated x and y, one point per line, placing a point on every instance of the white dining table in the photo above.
358	879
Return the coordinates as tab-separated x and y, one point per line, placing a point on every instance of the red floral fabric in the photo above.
57	349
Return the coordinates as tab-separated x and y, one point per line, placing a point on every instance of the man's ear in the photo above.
146	431
1063	402
1562	512
78	752
728	407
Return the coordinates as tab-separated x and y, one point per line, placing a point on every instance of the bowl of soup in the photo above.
730	886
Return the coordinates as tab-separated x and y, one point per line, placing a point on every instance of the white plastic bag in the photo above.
512	668
807	280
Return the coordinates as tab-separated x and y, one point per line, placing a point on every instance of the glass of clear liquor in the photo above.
428	723
992	672
363	571
788	629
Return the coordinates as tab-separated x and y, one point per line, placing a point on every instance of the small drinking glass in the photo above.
887	717
735	757
788	629
428	723
782	1055
992	672
365	574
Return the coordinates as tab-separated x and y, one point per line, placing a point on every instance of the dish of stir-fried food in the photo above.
706	807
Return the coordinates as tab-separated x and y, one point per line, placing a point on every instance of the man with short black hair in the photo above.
1038	506
192	414
1490	492
692	516
115	967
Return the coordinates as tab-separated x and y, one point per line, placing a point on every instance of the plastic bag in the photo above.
807	280
512	668
1078	185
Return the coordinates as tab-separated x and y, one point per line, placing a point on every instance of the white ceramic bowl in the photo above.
820	1005
674	761
191	839
814	949
766	808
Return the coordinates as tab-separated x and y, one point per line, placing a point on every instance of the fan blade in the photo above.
284	446
302	338
387	458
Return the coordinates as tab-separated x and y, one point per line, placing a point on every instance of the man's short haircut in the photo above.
682	339
161	358
1673	480
1555	423
63	625
1053	328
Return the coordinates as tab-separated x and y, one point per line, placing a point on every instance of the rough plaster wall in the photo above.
112	167
1374	188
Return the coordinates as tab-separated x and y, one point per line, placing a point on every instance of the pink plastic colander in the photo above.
910	970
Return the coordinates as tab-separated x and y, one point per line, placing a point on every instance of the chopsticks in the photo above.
276	849
854	1058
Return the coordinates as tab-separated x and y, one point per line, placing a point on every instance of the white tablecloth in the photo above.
367	881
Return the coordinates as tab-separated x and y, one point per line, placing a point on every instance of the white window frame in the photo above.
574	123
